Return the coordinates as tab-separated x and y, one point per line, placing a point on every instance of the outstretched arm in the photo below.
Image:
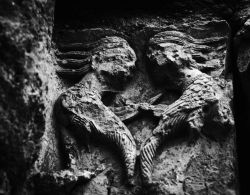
130	110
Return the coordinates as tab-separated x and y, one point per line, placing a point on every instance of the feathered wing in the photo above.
186	112
103	123
174	118
166	128
188	101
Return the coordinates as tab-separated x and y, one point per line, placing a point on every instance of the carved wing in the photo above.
105	125
195	96
164	130
78	58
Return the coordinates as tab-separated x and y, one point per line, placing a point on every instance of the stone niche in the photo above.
137	102
145	66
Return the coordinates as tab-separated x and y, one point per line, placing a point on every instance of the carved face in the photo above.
169	57
176	56
114	61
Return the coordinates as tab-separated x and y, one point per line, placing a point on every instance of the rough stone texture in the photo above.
173	168
111	61
172	55
32	156
60	182
25	65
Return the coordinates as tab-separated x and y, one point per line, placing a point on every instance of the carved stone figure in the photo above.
183	51
202	107
106	65
102	63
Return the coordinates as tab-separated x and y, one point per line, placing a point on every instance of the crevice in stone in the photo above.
240	103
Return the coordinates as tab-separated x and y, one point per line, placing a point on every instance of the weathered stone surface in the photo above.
80	109
200	181
25	42
195	48
103	51
111	57
60	182
192	47
171	53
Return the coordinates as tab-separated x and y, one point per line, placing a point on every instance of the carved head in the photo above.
168	57
113	60
176	56
110	57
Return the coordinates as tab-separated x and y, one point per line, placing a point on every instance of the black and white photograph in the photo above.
124	98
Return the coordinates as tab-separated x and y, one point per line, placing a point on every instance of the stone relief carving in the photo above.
105	65
102	61
202	106
159	78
